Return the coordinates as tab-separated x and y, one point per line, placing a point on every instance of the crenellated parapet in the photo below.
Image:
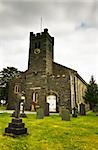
42	35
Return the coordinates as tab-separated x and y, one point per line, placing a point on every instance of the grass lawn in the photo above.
51	133
2	107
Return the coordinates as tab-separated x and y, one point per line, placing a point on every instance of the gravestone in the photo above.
17	107
13	114
16	127
74	112
96	109
46	109
82	109
40	112
64	113
16	113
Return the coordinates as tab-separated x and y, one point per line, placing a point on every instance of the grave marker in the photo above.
16	127
74	112
64	113
46	109
82	109
40	112
96	109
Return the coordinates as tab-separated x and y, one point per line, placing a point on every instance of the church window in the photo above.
39	45
35	45
35	97
16	89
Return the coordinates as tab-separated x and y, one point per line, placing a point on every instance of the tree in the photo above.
6	75
91	94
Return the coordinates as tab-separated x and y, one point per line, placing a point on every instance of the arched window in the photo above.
39	45
35	45
16	89
35	97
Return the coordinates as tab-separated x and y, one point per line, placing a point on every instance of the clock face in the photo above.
37	51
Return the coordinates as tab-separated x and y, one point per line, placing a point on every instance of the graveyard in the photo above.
52	133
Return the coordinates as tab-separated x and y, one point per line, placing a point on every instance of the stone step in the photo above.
16	120
16	125
16	131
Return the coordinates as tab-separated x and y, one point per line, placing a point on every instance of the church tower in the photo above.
41	52
45	83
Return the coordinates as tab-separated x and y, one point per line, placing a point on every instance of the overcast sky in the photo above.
73	23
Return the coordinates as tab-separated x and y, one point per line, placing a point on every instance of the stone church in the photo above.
46	81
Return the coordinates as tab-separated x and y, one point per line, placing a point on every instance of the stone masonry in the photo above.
44	79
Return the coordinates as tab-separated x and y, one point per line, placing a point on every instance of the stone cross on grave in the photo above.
16	127
17	105
17	99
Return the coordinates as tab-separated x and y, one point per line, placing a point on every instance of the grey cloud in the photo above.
24	13
19	17
29	13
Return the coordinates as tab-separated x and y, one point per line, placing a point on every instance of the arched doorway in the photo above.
51	99
34	100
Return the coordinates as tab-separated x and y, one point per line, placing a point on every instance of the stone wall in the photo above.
64	83
45	77
35	83
81	88
60	85
41	62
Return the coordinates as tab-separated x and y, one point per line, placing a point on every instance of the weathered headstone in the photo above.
64	113
96	109
74	112
82	109
46	109
40	112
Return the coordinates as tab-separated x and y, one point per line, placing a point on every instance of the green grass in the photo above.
2	107
51	133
